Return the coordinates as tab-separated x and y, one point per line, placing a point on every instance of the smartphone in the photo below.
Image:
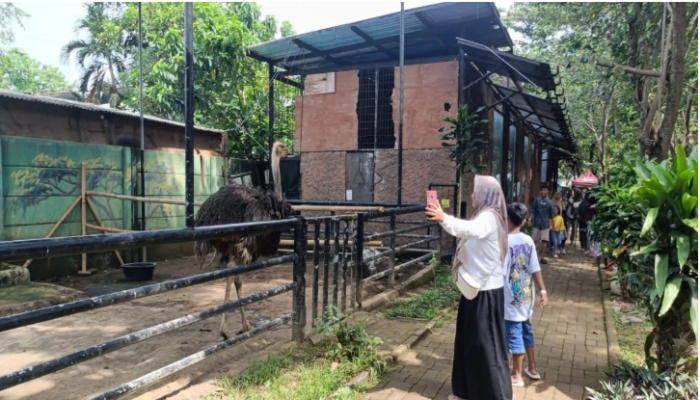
431	196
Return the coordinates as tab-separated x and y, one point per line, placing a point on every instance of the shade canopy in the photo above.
586	180
430	34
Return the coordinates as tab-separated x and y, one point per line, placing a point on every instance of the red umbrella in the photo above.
586	180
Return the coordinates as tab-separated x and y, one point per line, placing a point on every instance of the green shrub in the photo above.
649	227
350	342
632	383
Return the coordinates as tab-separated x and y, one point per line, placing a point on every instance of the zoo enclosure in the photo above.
348	264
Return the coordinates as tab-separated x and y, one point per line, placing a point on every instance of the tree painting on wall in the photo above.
60	176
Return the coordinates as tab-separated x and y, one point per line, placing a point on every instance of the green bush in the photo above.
629	382
649	227
350	342
617	222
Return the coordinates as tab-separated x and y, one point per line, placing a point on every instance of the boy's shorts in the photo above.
540	234
519	336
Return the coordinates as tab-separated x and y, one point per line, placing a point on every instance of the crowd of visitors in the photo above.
496	268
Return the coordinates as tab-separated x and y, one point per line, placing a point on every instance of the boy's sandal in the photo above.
532	376
517	383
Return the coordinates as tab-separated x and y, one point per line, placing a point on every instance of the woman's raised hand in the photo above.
435	213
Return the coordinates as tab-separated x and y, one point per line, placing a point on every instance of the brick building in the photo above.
347	119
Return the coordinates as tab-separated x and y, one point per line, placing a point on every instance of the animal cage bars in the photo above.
375	124
74	245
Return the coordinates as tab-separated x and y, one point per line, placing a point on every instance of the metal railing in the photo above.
339	274
44	248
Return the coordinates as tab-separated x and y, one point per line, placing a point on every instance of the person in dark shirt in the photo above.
541	212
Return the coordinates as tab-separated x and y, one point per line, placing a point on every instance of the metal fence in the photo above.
338	248
44	248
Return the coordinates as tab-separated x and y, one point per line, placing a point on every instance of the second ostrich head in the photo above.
279	150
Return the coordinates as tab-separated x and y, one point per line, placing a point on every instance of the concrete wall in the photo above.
40	179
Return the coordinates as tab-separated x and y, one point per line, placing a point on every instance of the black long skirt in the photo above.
480	366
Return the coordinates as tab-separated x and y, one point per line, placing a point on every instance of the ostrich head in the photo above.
279	150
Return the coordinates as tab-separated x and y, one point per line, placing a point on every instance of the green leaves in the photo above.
660	271
683	249
689	204
649	221
463	135
694	307
673	287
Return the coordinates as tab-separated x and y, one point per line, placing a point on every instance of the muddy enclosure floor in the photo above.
23	347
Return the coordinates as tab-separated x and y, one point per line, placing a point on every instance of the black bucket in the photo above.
139	271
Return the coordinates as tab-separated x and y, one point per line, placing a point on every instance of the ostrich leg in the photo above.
244	319
224	316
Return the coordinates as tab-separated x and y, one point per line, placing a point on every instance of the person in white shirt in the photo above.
480	366
522	270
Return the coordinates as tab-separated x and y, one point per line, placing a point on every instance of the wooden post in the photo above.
83	215
58	224
100	223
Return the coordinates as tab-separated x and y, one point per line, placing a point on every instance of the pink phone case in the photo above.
431	196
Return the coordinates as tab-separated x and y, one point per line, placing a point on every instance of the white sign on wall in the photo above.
348	195
319	84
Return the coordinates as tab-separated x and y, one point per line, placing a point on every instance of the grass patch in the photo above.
301	375
427	305
311	372
631	337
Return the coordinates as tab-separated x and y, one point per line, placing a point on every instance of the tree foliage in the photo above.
647	222
620	38
9	15
102	56
21	73
230	87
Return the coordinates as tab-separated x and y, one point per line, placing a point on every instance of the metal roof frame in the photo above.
546	117
523	69
430	33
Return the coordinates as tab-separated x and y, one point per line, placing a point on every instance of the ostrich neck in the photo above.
277	185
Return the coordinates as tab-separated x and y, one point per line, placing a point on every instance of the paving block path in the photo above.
571	345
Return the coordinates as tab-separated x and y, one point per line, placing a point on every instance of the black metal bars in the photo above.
61	310
70	245
189	117
88	353
192	359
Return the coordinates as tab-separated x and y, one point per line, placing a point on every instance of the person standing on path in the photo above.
480	367
572	215
521	272
541	211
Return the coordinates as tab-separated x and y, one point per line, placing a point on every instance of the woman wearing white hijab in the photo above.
480	366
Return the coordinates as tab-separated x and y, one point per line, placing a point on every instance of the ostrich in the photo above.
237	204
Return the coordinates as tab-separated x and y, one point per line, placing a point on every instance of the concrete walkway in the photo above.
570	338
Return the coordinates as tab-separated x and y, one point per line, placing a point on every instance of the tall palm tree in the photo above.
101	56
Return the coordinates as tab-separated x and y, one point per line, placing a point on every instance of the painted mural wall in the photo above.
40	179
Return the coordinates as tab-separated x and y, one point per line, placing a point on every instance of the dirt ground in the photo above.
21	348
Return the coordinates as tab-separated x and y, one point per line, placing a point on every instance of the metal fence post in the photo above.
439	243
392	245
299	304
359	262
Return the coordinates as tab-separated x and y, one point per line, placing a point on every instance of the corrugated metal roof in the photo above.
523	69
546	118
430	31
94	108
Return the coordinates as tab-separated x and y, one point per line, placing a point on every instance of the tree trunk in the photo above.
675	81
649	134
